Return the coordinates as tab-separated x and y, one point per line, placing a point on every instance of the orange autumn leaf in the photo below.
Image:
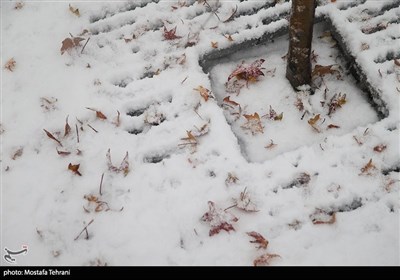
205	93
99	114
229	101
51	136
74	168
70	43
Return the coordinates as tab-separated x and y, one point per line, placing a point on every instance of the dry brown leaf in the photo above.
117	121
368	168
313	121
123	167
62	153
214	45
99	114
70	43
380	148
321	71
74	168
19	5
336	102
271	145
190	137
253	123
231	179
259	239
321	217
244	202
75	11
333	126
205	93
51	136
67	128
397	62
10	64
18	153
229	37
48	103
218	219
229	101
265	259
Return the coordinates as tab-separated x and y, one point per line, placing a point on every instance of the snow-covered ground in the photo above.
320	196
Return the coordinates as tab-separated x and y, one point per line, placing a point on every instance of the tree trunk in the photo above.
298	70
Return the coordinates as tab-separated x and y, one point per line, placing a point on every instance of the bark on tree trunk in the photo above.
298	70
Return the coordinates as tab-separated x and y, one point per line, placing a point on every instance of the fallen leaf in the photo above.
265	259
67	128
218	219
313	121
214	45
231	179
205	93
368	168
10	64
74	168
273	115
321	217
253	123
99	114
123	167
19	5
248	73
70	43
48	103
380	148
190	137
333	126
52	137
229	101
244	202
18	153
397	62
117	121
259	239
229	37
337	101
170	34
75	11
271	145
321	71
62	153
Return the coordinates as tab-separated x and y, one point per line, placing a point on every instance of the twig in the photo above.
84	229
92	128
232	15
184	80
101	183
87	41
77	132
230	207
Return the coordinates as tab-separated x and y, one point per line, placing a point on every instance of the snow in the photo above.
156	209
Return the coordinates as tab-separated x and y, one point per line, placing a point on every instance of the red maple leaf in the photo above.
219	219
170	34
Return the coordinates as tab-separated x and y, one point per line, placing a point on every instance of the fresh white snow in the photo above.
152	214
